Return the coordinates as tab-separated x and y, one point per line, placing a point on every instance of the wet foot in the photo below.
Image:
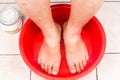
49	56
76	51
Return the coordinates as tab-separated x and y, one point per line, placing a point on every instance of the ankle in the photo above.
71	34
71	39
52	40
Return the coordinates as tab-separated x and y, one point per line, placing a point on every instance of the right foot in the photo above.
49	56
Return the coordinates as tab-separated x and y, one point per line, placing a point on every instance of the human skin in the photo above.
76	52
49	56
40	12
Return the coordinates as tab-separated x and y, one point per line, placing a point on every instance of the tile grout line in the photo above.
30	74
10	54
50	2
20	54
7	2
96	74
60	2
111	1
112	53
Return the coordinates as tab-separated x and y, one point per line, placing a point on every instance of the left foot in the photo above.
76	52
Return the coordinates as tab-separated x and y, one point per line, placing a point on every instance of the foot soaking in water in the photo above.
49	55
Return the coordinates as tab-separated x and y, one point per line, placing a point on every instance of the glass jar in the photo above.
10	19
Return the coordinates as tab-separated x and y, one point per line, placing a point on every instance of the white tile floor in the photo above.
12	66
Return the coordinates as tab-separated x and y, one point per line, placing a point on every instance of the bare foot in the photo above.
76	52
49	55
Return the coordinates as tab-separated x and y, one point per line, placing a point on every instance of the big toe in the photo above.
55	69
72	68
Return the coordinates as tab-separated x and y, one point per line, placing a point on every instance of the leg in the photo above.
76	52
39	11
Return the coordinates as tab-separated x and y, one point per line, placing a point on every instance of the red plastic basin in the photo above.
31	39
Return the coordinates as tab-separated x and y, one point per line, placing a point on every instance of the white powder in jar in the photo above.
10	19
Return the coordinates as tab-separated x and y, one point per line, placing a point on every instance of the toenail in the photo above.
82	68
49	73
73	71
54	73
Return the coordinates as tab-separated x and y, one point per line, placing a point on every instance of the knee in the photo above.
22	3
97	3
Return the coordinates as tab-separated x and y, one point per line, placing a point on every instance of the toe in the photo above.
84	62
46	67
87	57
81	65
43	66
49	69
72	68
39	60
55	69
78	67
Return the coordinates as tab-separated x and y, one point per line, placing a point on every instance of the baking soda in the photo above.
10	19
